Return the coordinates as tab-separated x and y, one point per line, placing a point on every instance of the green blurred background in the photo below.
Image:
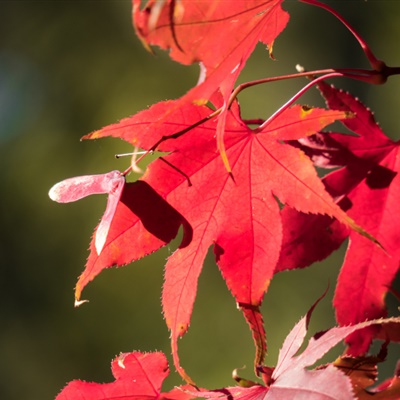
70	67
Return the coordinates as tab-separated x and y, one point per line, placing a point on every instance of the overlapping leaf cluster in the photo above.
250	193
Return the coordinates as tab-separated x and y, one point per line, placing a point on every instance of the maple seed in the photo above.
76	188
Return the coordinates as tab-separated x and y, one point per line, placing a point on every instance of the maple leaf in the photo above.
219	35
239	217
368	187
363	373
138	376
292	379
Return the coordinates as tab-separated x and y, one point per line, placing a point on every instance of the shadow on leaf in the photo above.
156	214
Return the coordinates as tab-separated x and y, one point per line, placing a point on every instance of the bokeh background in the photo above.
70	67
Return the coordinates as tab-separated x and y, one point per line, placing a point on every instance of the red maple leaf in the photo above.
138	376
239	216
368	187
219	35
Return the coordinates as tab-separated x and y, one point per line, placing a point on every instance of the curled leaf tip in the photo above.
270	51
80	302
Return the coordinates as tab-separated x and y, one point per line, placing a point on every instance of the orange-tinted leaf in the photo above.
363	373
219	35
147	127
